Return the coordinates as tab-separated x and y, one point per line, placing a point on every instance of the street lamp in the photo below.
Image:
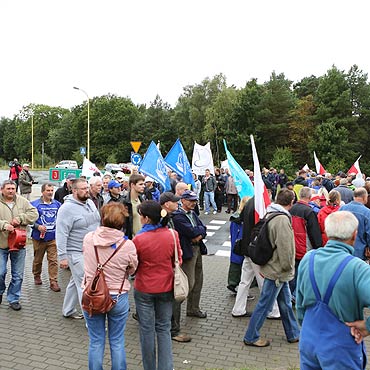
32	141
88	120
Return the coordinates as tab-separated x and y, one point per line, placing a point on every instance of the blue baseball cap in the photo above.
113	184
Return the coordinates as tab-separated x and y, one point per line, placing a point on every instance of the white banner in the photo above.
89	168
202	159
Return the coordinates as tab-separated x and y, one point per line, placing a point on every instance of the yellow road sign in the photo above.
135	145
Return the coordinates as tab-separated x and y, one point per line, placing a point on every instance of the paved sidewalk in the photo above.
38	337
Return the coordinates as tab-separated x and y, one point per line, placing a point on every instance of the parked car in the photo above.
67	164
125	168
112	168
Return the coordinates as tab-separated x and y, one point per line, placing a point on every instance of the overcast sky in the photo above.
138	49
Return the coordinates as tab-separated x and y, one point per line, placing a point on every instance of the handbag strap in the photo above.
176	252
100	267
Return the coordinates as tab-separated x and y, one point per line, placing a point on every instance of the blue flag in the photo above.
154	166
177	160
242	181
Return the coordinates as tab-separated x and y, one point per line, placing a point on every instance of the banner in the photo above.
202	159
320	170
241	179
89	168
261	196
154	166
177	160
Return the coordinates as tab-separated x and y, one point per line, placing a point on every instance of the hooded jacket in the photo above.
281	266
106	240
22	210
321	217
74	220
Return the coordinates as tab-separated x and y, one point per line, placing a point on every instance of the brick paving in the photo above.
38	337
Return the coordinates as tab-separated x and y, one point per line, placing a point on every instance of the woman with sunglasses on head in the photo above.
153	293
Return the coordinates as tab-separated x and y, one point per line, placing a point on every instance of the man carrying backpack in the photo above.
278	271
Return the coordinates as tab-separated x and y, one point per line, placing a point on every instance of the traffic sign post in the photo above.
135	145
136	159
60	174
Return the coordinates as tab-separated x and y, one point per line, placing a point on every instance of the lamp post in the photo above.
32	141
88	120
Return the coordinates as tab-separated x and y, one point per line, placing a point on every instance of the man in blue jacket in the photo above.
332	290
191	231
43	236
362	213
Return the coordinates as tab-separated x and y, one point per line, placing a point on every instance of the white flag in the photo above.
89	168
202	159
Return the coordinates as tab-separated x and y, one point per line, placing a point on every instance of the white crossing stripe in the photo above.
218	222
210	233
211	227
227	244
222	253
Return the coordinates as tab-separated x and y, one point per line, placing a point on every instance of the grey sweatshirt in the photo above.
74	220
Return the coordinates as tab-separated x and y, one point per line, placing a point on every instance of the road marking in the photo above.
218	222
211	227
222	253
210	233
227	244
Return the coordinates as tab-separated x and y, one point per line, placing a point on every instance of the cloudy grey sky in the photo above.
141	48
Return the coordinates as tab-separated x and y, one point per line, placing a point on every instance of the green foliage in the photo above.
329	114
283	158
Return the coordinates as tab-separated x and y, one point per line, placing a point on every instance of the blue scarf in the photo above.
148	227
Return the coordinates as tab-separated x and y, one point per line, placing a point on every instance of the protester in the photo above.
66	189
231	195
346	194
15	212
150	191
277	272
220	189
25	182
362	213
43	236
332	290
95	187
333	205
107	238
210	185
154	285
75	219
15	169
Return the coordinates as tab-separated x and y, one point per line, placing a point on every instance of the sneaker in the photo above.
199	314
259	343
206	213
246	314
38	280
76	316
215	212
15	306
182	338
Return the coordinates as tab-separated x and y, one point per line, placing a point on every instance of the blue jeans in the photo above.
117	318
154	314
209	199
269	293
17	261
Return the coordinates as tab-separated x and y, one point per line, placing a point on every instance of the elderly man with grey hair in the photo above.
95	187
346	194
332	292
362	213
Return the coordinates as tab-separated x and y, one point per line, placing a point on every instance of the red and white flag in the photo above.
261	196
320	170
355	167
305	167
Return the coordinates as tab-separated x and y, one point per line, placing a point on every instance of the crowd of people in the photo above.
127	220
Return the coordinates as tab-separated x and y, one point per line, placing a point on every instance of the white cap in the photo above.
148	179
120	175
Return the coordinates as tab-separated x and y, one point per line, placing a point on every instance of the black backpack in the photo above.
260	248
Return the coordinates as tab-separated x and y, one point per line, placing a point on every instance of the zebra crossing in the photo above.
215	231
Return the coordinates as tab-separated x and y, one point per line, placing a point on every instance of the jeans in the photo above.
270	292
17	261
209	199
117	318
154	312
249	271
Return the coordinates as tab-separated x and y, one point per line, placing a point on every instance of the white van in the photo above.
67	164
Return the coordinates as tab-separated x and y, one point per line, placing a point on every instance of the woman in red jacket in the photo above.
153	293
333	204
